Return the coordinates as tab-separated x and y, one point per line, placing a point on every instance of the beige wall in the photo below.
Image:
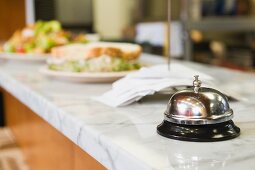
74	11
158	9
112	16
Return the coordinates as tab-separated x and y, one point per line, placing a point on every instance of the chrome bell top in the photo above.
198	106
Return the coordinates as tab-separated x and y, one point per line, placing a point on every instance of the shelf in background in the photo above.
223	24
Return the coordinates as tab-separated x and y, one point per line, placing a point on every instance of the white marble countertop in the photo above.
126	138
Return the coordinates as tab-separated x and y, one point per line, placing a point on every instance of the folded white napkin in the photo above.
148	81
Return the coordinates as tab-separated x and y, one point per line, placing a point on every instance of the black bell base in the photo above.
199	133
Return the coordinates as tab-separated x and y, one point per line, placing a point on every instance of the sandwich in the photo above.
95	57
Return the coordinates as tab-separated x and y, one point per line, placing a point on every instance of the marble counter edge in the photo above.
95	144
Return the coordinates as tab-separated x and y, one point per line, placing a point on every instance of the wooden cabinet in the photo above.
12	17
44	147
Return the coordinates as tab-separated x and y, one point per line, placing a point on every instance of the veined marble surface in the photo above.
125	138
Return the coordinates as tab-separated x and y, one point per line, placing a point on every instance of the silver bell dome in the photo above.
198	106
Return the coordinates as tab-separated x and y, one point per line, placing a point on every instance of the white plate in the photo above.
84	77
24	57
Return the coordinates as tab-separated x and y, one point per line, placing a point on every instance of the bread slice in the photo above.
92	50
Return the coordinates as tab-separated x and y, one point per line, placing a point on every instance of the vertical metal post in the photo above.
30	11
168	35
186	38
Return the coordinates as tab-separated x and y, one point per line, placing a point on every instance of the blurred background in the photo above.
215	32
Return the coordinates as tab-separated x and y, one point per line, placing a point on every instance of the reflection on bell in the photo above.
198	114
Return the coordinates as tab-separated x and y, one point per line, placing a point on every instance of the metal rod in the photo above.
185	22
168	34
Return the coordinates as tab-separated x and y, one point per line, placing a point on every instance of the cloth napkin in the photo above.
148	81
